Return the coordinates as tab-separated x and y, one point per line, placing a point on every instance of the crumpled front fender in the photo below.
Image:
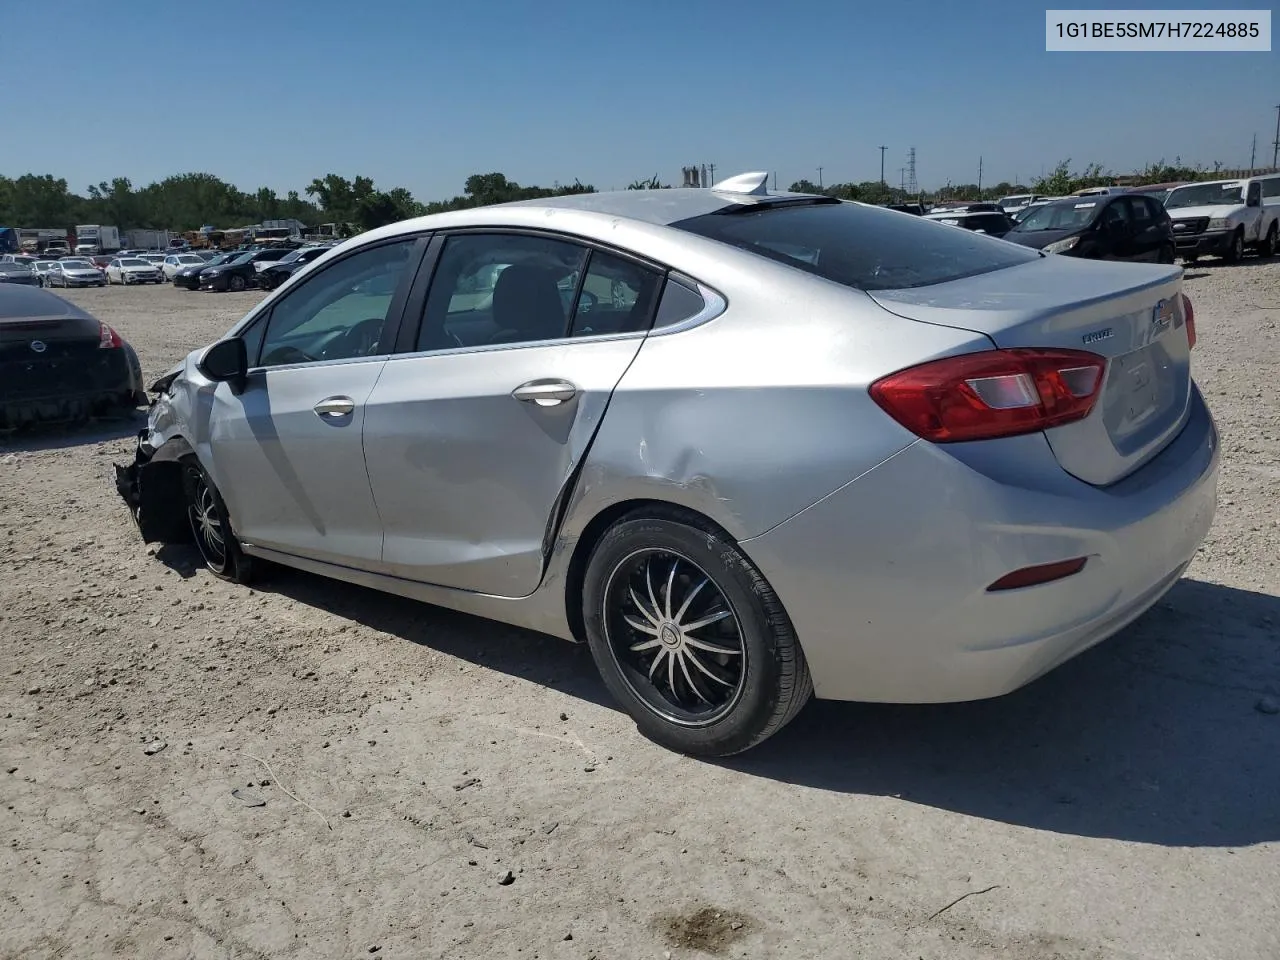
154	489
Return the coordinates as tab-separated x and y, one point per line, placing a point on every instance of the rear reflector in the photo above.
994	393
1189	316
1044	573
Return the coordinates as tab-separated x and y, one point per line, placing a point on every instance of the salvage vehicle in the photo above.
603	417
1099	227
175	262
127	270
241	272
995	224
75	272
188	278
1226	217
59	363
271	275
18	273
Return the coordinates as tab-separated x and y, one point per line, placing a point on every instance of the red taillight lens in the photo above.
1189	316
109	339
995	393
1033	576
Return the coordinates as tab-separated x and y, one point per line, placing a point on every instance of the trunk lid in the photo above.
1131	314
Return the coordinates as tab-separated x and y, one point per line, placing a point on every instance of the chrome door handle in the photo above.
545	393
334	407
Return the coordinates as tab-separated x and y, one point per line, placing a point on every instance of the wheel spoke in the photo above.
653	667
644	645
648	628
693	657
671	581
711	647
684	607
671	674
684	666
706	621
648	582
651	617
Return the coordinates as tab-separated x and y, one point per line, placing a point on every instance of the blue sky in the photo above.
420	93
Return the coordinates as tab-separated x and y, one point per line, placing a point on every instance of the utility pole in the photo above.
979	178
775	181
1275	153
819	178
1253	153
882	150
902	172
713	174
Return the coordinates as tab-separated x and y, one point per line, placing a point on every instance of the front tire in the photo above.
690	638
235	284
211	526
1236	252
1267	248
1166	255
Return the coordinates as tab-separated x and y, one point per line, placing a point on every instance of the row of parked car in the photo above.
1158	222
262	267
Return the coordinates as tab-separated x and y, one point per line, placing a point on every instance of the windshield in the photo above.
1206	195
77	263
868	248
45	264
133	262
189	259
241	257
1073	215
1015	201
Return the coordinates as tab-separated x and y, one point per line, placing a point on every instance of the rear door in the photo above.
1132	315
473	437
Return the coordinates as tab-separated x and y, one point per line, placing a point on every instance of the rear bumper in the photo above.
1205	244
885	580
74	390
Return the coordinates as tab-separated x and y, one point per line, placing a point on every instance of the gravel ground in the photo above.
348	774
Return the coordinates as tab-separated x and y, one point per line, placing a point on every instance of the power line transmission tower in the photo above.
912	186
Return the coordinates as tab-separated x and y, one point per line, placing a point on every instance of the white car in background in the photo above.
153	258
180	261
42	268
127	270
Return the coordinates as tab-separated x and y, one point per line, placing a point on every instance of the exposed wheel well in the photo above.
600	523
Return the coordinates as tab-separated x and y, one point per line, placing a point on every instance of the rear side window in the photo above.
864	247
678	304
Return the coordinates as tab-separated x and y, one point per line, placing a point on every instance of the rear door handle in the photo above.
545	393
334	407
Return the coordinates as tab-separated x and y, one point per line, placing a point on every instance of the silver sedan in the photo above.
748	446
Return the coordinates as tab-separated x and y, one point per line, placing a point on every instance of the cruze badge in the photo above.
1162	315
38	346
1097	335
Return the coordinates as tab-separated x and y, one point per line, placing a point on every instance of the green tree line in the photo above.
188	201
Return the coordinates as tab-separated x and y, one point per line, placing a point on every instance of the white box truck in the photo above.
92	238
147	239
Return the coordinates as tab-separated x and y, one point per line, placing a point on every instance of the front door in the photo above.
472	440
287	452
1253	212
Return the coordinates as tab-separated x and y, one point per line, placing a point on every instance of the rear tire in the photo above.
690	638
236	283
211	526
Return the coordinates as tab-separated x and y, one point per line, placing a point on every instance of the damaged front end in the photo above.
153	485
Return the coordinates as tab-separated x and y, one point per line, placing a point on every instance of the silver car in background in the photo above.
748	446
75	272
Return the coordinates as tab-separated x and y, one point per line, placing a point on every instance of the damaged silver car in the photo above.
748	446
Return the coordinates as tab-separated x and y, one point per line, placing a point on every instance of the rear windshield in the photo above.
864	247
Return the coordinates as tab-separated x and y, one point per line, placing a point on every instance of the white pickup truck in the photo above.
1225	217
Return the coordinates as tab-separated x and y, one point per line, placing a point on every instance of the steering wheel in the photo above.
360	341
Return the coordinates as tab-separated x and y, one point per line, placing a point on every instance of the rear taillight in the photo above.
1189	317
994	393
108	339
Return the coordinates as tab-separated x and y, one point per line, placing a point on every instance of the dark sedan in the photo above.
272	275
188	278
18	273
993	223
240	273
1114	227
59	363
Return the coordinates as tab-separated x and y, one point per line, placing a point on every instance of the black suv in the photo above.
271	277
1117	227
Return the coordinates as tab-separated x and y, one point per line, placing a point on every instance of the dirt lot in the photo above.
347	774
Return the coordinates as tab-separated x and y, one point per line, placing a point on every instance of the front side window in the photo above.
1255	194
1271	187
1139	213
501	288
340	313
865	247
